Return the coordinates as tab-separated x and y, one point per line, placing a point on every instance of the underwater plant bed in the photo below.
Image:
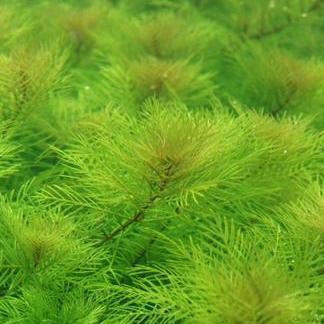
162	161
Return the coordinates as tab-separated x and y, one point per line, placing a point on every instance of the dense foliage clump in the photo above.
162	161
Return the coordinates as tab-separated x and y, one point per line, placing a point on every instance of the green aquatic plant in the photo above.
153	78
161	162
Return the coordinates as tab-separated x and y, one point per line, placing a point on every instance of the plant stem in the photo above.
142	253
140	213
151	241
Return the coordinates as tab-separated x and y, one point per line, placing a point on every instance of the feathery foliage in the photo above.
161	162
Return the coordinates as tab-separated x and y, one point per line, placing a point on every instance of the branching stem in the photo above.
140	213
138	216
142	253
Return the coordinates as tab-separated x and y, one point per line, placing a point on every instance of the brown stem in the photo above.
151	241
138	216
38	254
140	213
142	253
22	96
